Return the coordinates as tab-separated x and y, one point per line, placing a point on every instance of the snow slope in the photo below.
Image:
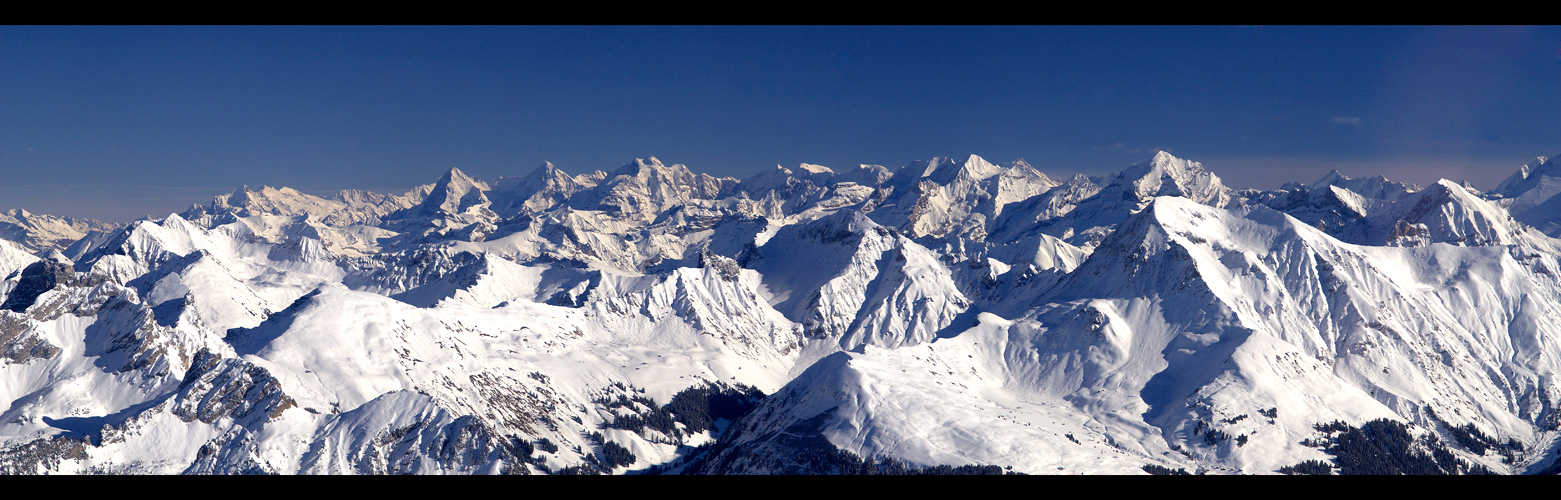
943	313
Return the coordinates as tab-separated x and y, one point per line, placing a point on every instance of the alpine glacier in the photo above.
947	316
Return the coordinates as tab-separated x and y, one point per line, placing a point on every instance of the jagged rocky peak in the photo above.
1054	202
1019	182
546	174
1167	175
41	232
1082	214
260	200
1532	185
945	170
537	191
1376	187
646	187
1528	176
1022	169
238	197
456	192
1332	178
24	216
547	177
344	208
1447	213
1099	325
1081	180
782	178
641	167
1531	194
845	278
701	185
359	196
944	196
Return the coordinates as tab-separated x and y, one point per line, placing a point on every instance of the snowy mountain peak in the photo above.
543	174
1445	212
644	188
543	188
790	191
816	169
454	179
1541	165
454	193
1448	185
1022	169
945	171
775	178
1533	194
650	171
1167	175
1333	177
38	232
840	225
1164	160
866	175
541	177
240	197
1529	176
1375	187
637	167
1164	164
1019	169
1083	213
952	313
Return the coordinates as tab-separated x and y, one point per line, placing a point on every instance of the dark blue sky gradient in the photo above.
148	120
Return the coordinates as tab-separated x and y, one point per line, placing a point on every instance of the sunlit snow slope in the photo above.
950	315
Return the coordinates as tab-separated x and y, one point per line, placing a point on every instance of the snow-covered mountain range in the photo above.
947	316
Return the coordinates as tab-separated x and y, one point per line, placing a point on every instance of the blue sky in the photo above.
120	122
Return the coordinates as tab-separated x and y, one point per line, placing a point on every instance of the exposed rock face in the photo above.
37	278
41	456
19	343
215	388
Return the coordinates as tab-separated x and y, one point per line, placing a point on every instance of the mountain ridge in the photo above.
949	314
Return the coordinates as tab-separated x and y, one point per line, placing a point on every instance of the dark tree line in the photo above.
1471	438
1308	468
1381	447
1160	470
835	461
697	408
